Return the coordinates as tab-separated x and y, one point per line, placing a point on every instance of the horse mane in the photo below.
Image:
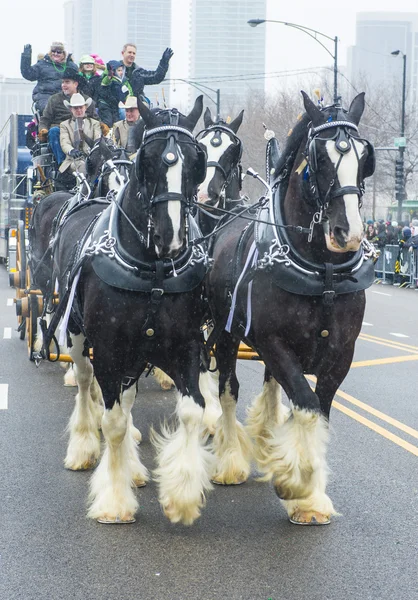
293	142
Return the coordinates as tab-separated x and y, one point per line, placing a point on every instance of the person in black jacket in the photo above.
141	77
90	81
47	72
112	91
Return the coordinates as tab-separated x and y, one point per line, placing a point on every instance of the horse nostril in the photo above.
157	239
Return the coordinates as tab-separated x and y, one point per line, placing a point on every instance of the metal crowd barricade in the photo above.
415	269
385	266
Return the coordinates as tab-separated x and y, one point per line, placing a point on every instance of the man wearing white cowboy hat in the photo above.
56	112
121	128
78	134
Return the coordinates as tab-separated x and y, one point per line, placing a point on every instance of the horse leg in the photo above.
231	442
295	455
111	498
84	443
184	463
97	406
265	413
209	387
307	510
139	472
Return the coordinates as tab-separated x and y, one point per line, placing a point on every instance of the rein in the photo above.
234	215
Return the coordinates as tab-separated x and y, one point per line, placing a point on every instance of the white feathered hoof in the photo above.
311	517
112	499
233	456
83	451
210	418
315	510
69	378
183	513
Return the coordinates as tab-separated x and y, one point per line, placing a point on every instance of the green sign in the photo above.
400	142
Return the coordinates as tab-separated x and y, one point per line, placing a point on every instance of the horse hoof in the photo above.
223	481
139	483
309	517
166	385
126	520
85	466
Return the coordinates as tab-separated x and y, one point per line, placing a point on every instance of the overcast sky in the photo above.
40	22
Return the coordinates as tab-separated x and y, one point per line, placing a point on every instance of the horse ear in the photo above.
356	108
236	123
196	112
146	114
313	111
207	118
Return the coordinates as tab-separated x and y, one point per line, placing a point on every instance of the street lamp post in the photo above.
313	33
201	87
400	163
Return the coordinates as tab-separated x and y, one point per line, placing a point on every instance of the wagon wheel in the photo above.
20	281
32	324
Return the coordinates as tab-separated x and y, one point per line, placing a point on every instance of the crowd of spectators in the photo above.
404	236
389	233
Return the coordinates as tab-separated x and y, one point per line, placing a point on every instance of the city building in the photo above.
15	97
104	26
223	54
377	35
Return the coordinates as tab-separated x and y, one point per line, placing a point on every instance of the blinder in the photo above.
370	164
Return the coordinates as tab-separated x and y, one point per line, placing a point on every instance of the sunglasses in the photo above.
57	51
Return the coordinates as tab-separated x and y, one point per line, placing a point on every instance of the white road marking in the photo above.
401	335
9	301
367	324
381	293
4	393
7	333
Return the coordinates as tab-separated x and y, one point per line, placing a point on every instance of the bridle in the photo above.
344	142
215	142
174	136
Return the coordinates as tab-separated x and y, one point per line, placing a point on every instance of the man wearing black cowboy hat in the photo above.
56	112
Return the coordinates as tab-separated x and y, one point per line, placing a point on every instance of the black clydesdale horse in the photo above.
139	299
222	185
299	302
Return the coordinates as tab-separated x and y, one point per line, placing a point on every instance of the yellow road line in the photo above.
381	430
373	337
373	411
389	344
383	361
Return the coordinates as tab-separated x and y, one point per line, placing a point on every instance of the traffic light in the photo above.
399	179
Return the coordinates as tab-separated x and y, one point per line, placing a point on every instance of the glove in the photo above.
43	135
27	50
105	129
168	53
75	153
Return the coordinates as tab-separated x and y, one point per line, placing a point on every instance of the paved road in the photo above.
243	547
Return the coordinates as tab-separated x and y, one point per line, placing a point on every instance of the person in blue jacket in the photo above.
46	71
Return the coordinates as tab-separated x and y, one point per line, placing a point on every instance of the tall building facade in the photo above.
15	97
377	35
225	53
104	26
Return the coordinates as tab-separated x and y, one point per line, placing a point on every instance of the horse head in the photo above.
169	166
338	160
101	174
224	150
